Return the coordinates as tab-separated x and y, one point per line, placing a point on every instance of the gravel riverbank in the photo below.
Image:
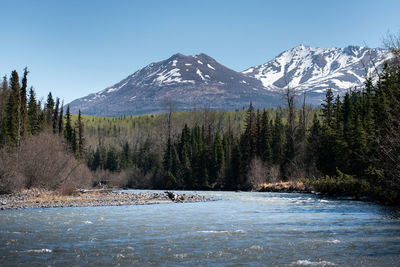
90	198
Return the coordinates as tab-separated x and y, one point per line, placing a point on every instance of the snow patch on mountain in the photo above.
211	67
168	76
309	69
198	72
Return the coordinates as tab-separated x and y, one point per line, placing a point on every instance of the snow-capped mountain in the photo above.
314	70
190	81
200	81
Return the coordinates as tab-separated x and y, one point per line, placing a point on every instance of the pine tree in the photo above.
328	108
69	131
112	160
61	120
248	140
74	145
126	156
33	120
348	117
13	111
81	139
314	147
337	115
23	107
278	139
3	103
218	159
49	108
236	179
265	138
55	116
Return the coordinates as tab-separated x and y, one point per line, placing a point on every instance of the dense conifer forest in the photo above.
349	145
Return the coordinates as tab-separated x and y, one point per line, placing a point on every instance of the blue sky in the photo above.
74	48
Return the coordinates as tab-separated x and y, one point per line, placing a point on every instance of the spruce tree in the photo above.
23	107
3	103
248	140
69	131
33	120
81	139
313	147
265	138
61	119
328	108
55	116
236	179
49	108
13	119
278	139
218	160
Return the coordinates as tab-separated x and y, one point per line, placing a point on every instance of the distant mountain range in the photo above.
200	81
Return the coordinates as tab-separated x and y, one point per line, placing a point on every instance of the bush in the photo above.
10	177
341	184
131	177
42	161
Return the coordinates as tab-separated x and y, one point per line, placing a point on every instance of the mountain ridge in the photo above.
199	80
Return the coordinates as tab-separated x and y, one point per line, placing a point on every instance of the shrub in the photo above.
42	161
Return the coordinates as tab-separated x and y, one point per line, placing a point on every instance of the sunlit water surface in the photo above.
239	229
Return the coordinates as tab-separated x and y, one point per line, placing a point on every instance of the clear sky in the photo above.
74	48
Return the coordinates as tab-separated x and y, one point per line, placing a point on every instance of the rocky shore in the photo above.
90	198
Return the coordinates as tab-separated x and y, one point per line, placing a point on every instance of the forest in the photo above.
347	146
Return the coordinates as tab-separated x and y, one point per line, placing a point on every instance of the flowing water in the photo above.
239	229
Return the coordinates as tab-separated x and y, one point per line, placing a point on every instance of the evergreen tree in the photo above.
3	104
348	117
265	139
33	120
81	139
112	160
125	156
236	179
13	119
248	140
55	116
337	115
23	107
49	109
218	159
60	119
314	147
278	139
74	145
69	131
328	108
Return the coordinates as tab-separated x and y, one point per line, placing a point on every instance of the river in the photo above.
238	229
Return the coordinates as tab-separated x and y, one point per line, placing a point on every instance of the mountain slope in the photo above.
200	81
189	81
314	70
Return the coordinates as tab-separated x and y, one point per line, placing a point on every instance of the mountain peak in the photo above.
199	80
309	69
189	80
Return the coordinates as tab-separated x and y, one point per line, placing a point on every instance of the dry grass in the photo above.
44	196
283	186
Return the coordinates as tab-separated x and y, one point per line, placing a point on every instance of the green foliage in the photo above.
340	185
13	114
33	109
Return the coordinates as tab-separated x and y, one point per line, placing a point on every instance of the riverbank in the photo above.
36	198
284	187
